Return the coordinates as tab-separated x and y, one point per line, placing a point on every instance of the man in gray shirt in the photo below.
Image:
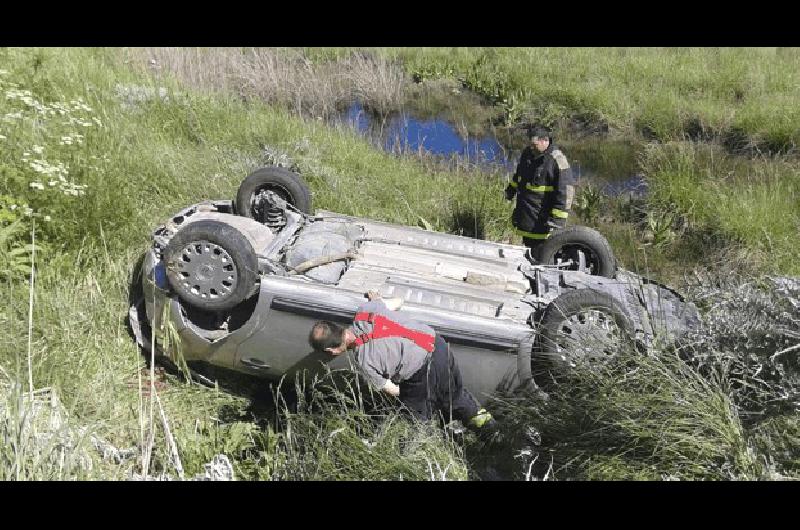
406	359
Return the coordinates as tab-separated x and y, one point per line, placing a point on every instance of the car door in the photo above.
280	345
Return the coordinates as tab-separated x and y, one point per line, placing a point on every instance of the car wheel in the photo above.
584	325
286	184
211	265
585	247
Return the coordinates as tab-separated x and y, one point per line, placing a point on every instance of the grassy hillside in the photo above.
668	93
701	137
93	155
743	101
122	174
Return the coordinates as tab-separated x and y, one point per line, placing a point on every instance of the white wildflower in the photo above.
80	105
52	183
3	72
38	149
37	185
27	211
12	207
2	137
24	95
47	218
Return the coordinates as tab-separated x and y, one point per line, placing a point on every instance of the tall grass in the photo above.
756	204
153	152
722	405
285	77
648	418
143	164
751	211
332	433
667	93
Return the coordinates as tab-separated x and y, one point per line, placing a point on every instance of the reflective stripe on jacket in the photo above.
540	185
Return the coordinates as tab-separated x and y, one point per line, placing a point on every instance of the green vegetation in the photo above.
668	93
742	100
721	406
146	158
701	197
94	153
650	419
754	203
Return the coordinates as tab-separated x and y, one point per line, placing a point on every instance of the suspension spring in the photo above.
274	217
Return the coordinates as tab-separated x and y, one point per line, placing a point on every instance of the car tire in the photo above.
135	288
584	324
288	185
211	265
563	244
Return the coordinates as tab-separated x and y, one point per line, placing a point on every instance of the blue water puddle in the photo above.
404	133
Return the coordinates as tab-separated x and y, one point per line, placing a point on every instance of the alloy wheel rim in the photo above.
206	271
588	334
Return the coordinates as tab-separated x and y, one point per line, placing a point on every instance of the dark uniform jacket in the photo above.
540	185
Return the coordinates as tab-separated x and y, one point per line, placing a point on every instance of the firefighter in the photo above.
405	359
544	189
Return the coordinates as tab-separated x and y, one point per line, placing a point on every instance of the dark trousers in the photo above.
534	244
436	388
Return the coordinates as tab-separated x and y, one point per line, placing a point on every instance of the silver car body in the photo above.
483	297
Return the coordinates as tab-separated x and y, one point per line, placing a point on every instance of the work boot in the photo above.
480	419
486	427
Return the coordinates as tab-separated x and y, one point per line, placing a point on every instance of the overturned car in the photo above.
242	282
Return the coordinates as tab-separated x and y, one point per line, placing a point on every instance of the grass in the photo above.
162	147
707	103
663	92
144	162
722	406
147	156
756	204
332	434
84	352
284	77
